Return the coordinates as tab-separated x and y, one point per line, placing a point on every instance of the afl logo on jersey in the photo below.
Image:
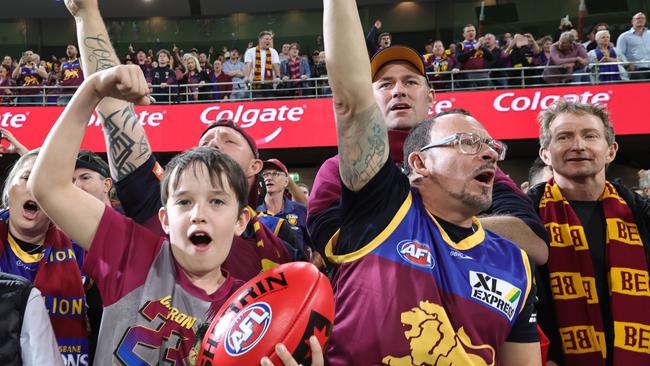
248	328
415	253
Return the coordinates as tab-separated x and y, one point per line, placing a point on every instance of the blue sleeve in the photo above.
507	201
283	68
139	192
305	67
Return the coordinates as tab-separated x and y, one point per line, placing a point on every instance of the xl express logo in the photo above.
495	292
248	328
416	253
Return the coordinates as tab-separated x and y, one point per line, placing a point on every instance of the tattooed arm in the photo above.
126	141
363	141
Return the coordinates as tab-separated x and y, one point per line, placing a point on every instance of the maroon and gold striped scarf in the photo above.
294	68
573	284
268	67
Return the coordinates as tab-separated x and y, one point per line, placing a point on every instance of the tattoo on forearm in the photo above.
100	52
122	151
362	145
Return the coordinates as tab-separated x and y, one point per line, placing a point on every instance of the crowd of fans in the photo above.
475	61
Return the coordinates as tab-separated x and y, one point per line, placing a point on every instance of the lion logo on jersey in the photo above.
292	219
70	74
433	340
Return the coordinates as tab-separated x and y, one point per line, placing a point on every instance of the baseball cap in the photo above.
396	53
274	164
194	49
89	160
230	123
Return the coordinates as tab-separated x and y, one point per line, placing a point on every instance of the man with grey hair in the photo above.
635	45
593	292
570	56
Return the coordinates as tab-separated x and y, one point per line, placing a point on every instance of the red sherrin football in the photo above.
286	304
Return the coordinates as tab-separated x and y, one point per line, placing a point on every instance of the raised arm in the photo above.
126	141
76	212
362	136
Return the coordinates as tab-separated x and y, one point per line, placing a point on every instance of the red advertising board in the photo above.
301	123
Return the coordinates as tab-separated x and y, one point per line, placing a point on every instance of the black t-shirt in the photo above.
367	212
592	218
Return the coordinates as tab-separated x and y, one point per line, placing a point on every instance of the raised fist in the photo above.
75	6
124	82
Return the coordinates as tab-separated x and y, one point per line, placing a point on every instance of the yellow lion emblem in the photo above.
70	74
433	340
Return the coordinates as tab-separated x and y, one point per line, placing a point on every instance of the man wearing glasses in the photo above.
419	281
276	203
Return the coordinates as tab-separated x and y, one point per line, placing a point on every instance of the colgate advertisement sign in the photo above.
508	114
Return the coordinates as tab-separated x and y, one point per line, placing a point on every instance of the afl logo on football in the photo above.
415	253
248	328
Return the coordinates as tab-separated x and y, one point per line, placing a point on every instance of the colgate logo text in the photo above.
248	117
506	102
13	120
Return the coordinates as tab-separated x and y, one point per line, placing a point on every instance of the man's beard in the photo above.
478	203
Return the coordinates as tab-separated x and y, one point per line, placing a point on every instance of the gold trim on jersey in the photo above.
21	254
529	276
374	243
469	242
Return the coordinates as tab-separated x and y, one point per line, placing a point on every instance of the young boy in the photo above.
156	291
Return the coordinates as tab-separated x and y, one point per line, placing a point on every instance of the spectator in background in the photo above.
286	52
375	43
128	59
544	56
53	80
304	188
204	61
539	172
474	55
71	75
603	55
565	26
163	79
522	53
277	203
224	85
428	50
31	76
262	66
439	62
451	49
644	182
570	55
507	40
499	60
319	70
142	61
294	70
591	43
235	68
6	83
9	62
634	44
196	77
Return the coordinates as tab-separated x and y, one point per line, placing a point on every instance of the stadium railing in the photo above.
500	78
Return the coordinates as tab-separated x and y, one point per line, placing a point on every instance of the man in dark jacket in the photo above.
25	328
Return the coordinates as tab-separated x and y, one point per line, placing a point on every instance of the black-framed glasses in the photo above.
470	144
272	173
